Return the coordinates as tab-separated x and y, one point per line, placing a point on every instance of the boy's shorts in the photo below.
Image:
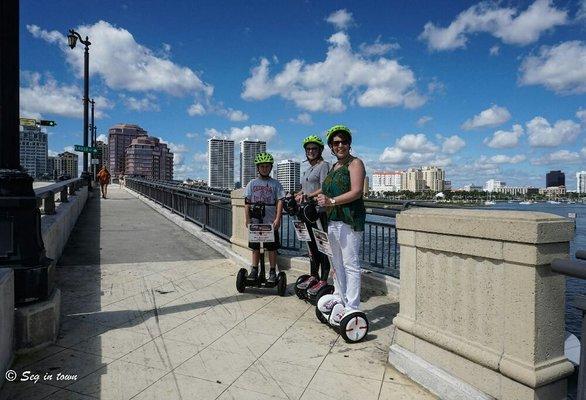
271	246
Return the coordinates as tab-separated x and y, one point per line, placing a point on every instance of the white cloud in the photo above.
261	132
424	120
102	138
53	153
198	109
494	50
490	117
341	19
303	119
416	149
147	103
200	157
125	64
191	135
177	148
503	159
581	114
37	98
416	143
453	144
393	155
377	48
507	24
542	134
505	139
322	85
559	68
558	157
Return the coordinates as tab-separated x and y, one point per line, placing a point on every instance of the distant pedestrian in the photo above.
104	178
121	181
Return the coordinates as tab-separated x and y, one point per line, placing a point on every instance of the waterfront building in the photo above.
434	178
516	190
120	136
248	150
555	178
386	181
221	163
288	173
472	188
553	191
491	185
33	150
412	180
66	163
147	157
102	154
581	182
52	167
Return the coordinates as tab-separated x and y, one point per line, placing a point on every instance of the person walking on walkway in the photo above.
311	182
104	178
267	192
342	192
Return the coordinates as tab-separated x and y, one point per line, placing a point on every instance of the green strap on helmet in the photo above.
338	128
313	139
263	158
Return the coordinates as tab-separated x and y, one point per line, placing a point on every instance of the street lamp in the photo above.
72	39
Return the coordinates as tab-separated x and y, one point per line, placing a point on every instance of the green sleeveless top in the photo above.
336	183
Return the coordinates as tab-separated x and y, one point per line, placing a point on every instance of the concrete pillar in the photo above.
239	237
481	313
6	319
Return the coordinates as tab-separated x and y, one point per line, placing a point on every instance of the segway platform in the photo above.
354	325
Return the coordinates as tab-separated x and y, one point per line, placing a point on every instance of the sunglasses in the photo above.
312	149
337	143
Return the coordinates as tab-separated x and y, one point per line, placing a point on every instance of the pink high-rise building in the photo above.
119	138
147	157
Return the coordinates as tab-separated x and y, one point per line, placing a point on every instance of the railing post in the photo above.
580	303
63	196
72	189
49	204
206	220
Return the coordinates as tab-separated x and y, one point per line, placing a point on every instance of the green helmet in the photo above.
336	129
313	139
263	158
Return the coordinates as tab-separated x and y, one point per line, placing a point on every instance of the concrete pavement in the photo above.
151	312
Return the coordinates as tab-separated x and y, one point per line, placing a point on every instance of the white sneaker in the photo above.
326	303
337	314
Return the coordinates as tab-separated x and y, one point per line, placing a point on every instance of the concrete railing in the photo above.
481	312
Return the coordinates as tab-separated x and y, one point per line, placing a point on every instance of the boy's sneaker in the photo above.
253	276
337	314
272	276
307	283
312	291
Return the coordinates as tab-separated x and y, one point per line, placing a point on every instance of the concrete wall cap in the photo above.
512	226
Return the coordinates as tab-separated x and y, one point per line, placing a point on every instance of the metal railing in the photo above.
576	269
211	211
46	195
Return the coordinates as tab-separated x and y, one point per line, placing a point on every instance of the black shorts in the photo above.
271	246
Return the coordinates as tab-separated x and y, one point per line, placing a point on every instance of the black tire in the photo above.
354	327
327	289
320	316
281	283
241	280
302	294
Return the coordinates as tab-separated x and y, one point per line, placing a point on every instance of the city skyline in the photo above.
484	90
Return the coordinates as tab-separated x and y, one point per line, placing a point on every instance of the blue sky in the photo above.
484	89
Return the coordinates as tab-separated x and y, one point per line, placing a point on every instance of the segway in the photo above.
306	212
257	212
353	327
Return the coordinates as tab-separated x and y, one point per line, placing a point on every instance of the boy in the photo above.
269	192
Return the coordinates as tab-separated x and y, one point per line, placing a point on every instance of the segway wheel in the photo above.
281	283
354	327
241	280
299	292
322	318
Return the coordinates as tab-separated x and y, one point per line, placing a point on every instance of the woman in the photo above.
104	178
342	195
311	182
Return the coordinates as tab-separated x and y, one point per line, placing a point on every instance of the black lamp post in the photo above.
21	244
72	39
93	140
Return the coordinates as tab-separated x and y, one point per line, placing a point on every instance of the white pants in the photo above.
345	243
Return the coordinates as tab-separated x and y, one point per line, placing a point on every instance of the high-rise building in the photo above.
288	173
492	185
412	180
147	157
67	164
555	178
386	181
102	154
33	150
581	182
434	178
248	150
119	138
221	163
52	167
